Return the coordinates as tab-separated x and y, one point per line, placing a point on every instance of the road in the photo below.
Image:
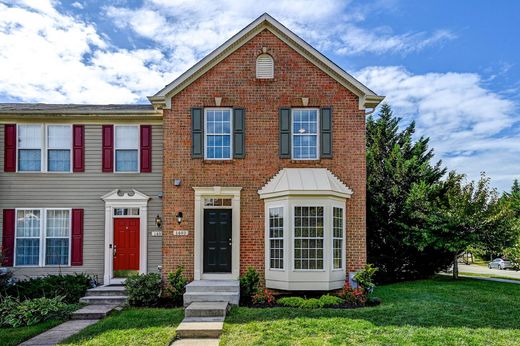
463	268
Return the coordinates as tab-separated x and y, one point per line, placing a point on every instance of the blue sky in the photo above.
452	66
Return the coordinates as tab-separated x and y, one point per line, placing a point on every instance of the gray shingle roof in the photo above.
27	108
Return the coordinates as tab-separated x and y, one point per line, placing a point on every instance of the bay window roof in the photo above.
305	182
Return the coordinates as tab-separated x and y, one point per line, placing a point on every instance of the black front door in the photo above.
217	240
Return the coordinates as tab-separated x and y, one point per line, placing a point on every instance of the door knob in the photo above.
115	251
230	242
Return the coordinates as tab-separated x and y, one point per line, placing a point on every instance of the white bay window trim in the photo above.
42	237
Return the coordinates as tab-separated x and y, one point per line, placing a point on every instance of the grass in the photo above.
132	326
440	311
494	276
14	336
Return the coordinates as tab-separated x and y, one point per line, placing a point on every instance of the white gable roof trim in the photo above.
367	98
305	182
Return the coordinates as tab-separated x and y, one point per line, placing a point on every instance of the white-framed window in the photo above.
30	145
308	238
126	149
126	211
276	225
304	132
59	148
218	124
217	202
42	237
264	66
44	148
337	238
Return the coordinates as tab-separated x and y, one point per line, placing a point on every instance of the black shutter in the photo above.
239	151
326	133
197	133
285	133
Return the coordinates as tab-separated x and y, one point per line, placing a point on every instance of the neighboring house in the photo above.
262	164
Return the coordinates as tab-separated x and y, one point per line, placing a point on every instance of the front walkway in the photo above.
59	333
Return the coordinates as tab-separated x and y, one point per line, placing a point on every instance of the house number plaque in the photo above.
179	232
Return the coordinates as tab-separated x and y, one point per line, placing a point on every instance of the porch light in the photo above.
179	217
158	221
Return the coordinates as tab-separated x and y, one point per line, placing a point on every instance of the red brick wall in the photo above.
234	80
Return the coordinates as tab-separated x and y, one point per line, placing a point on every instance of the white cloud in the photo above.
471	128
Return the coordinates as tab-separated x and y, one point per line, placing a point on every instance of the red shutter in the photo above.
78	147
108	148
77	237
8	237
146	148
10	148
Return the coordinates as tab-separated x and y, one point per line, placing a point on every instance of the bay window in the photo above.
276	251
42	237
337	238
127	148
308	238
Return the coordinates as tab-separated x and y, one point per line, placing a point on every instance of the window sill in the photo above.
218	162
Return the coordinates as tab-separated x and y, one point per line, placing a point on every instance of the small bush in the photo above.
249	285
264	297
365	277
32	311
6	279
144	289
177	285
69	287
294	302
328	300
354	296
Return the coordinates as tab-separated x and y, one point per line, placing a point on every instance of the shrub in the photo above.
177	285
354	296
69	287
294	302
6	279
365	277
264	297
249	284
32	311
328	300
144	289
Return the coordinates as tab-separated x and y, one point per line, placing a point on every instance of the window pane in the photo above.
337	236
127	137
59	137
126	160
276	237
28	223
30	136
29	160
57	251
308	238
27	251
59	160
58	223
218	134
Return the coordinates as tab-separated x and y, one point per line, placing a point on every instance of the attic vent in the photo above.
264	67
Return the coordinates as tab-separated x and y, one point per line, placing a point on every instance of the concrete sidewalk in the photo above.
59	333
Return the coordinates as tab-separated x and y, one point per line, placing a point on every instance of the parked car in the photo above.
499	263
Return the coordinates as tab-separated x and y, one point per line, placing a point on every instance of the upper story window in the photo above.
305	134
44	148
59	140
218	126
264	67
126	148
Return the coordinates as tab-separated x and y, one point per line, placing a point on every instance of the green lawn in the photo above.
429	312
494	276
132	326
14	336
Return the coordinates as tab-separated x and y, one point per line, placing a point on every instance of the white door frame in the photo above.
202	193
117	199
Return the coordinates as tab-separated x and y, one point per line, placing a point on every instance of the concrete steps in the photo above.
93	312
105	295
193	329
206	310
212	291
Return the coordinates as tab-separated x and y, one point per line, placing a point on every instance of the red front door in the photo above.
126	243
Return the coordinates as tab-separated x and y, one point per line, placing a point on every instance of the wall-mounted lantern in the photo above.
158	221
179	217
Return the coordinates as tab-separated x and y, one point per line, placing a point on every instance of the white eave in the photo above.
304	182
367	98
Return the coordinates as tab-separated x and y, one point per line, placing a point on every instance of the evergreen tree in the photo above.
395	164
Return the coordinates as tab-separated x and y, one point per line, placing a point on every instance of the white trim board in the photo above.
116	199
367	98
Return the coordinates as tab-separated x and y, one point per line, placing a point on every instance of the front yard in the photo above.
439	311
